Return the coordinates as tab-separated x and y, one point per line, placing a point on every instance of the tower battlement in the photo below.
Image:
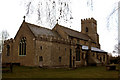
88	20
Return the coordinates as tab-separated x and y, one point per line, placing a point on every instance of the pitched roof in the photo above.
74	33
38	30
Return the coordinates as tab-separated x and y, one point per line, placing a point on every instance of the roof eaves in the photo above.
93	49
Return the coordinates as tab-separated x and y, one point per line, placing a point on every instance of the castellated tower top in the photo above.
89	26
88	20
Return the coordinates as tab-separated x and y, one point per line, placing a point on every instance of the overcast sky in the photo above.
12	12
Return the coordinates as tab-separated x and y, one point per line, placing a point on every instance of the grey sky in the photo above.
12	12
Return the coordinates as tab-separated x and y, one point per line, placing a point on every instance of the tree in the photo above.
50	12
113	21
4	35
115	51
113	16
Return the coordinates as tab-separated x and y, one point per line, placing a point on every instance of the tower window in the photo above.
22	46
86	29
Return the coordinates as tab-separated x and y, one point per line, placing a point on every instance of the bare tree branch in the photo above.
115	9
52	9
4	36
28	8
90	4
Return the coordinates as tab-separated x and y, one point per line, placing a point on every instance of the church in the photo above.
34	45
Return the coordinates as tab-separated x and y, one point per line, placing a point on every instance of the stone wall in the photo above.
43	48
55	51
7	58
60	51
29	59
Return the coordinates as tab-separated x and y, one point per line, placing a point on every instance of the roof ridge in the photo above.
73	30
38	30
34	25
52	30
69	28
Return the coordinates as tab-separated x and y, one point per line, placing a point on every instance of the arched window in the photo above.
8	50
77	54
22	46
86	29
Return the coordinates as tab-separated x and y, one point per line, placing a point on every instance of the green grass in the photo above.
83	72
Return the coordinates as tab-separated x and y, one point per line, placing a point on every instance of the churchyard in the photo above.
82	72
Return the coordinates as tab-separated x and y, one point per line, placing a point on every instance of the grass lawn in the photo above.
83	72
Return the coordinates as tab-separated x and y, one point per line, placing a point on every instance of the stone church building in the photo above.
60	47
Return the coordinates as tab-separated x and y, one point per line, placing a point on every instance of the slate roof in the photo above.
37	30
74	33
93	49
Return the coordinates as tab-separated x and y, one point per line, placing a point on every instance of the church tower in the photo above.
89	27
